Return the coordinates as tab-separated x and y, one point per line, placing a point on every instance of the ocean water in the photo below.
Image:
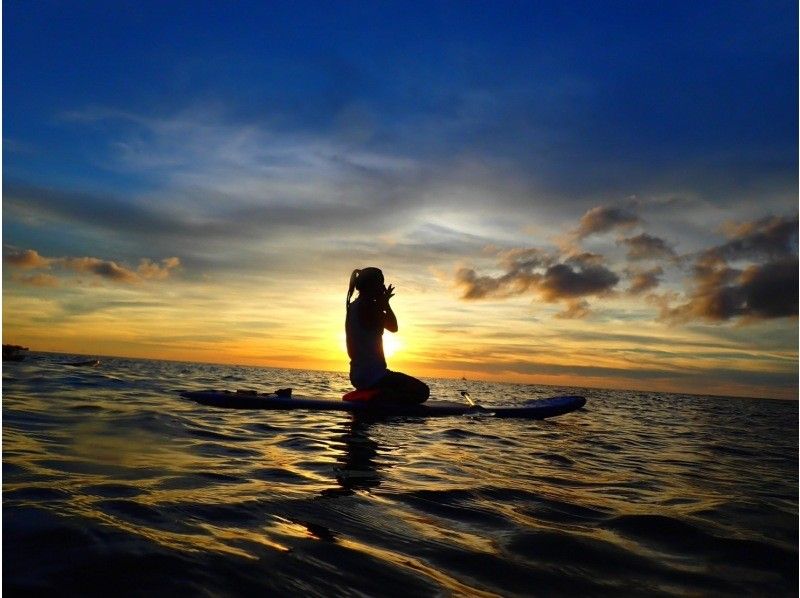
113	484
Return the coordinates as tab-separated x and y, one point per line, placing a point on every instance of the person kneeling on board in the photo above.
367	317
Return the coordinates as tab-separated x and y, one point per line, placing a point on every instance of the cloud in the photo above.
770	290
476	287
718	291
643	280
223	204
520	265
37	280
26	259
585	259
721	293
762	290
603	219
102	268
575	310
224	189
533	269
524	259
152	271
97	211
563	281
769	237
229	183
30	259
647	247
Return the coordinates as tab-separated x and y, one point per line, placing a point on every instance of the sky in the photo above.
580	194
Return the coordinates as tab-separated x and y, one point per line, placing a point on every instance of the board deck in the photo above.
533	409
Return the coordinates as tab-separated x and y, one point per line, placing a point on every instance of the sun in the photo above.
391	345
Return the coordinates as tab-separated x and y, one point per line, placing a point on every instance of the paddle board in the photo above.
533	409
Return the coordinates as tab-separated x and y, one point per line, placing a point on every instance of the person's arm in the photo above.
378	314
389	319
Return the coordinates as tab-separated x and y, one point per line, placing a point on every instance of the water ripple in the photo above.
639	494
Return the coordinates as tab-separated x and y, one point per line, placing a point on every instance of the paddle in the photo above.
469	400
465	393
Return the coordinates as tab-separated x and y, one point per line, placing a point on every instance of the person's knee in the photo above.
421	391
424	390
403	388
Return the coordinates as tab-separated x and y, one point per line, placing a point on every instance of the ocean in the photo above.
114	485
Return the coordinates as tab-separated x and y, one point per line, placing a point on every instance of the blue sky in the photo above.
269	144
639	86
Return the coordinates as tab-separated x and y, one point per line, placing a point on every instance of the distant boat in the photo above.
14	352
89	364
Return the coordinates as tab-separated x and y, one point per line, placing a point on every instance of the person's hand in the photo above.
388	293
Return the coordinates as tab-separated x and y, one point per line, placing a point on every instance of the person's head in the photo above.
368	282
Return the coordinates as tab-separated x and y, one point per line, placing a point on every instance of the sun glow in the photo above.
391	345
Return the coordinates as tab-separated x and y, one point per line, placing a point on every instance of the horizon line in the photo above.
272	367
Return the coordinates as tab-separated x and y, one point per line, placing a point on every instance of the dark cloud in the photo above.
770	290
765	289
721	293
563	281
603	219
770	237
102	268
643	280
520	265
533	269
476	287
647	247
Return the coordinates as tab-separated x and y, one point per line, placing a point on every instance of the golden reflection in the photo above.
416	566
227	534
433	529
302	529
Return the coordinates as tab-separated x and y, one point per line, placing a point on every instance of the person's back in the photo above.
367	317
364	345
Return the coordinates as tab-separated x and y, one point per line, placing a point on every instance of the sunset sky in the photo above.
593	193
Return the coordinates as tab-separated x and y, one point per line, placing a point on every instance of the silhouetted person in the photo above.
367	317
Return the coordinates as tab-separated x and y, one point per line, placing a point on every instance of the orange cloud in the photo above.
150	270
37	280
102	268
576	309
28	259
643	280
